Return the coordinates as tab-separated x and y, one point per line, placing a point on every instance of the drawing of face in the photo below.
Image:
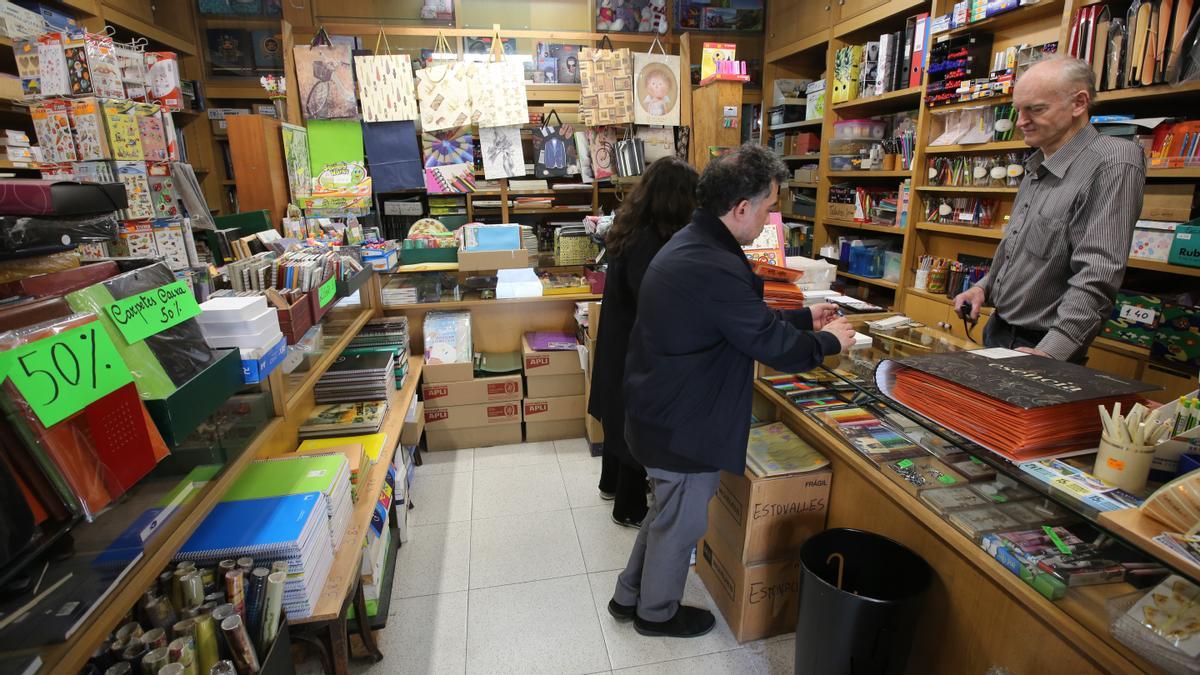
657	86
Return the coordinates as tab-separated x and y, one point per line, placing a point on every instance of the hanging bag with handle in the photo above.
554	146
443	91
631	155
385	84
498	90
325	79
656	87
605	85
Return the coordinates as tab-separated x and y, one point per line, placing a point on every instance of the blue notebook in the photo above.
255	525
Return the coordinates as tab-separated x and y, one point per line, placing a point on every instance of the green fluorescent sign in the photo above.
145	314
327	291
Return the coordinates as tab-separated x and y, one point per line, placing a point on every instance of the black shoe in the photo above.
621	612
623	522
607	496
688	622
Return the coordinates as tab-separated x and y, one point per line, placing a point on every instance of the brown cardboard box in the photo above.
478	390
758	600
472	261
472	437
769	518
545	386
593	330
589	347
593	430
1168	201
552	409
549	363
410	433
554	430
447	372
467	416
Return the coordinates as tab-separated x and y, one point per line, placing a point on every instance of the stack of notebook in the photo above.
358	377
327	474
355	454
384	334
344	419
291	528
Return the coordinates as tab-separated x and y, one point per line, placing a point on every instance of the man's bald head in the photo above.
1052	100
1063	74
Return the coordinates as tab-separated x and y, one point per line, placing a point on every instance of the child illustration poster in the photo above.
656	89
295	157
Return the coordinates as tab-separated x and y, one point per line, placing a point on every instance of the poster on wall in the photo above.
295	157
656	89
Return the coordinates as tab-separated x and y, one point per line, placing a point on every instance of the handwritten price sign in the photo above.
145	314
63	374
326	291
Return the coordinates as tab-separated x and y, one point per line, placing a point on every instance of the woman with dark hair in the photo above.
658	207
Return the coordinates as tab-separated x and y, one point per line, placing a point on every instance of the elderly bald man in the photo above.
1064	250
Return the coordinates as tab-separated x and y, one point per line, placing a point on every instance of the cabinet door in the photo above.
1111	362
791	20
929	312
141	9
852	8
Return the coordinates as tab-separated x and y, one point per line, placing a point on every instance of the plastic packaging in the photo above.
19	232
448	338
1161	624
860	129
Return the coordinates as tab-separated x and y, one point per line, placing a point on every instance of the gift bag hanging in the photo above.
448	147
631	156
554	146
503	156
657	142
325	79
656	87
498	90
602	143
393	156
606	86
444	93
385	85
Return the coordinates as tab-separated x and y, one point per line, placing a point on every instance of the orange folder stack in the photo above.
779	285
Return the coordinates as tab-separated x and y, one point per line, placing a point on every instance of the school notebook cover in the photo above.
254	525
287	476
361	363
372	444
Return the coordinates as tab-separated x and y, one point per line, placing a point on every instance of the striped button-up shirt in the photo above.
1064	251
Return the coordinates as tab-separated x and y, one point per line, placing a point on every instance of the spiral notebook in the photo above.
327	474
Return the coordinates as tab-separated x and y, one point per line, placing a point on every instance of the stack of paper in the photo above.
358	377
774	450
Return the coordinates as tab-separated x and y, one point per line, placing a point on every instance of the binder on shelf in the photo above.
910	27
919	49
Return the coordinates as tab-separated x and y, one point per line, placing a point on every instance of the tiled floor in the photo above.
511	559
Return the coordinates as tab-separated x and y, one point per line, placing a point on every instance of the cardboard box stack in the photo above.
554	386
588	316
749	557
462	411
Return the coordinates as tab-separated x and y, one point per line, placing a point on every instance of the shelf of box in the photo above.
812	156
344	573
793	216
967	188
892	101
994	146
869	174
1156	91
70	656
296	394
962	230
796	125
883	12
1156	266
1181	172
883	283
467	304
1008	19
800	184
851	225
987	100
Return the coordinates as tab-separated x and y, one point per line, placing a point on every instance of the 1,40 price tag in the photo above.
145	314
62	374
1138	314
326	291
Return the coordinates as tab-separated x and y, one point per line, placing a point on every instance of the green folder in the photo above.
289	476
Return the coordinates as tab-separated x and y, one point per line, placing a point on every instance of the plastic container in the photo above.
860	596
859	129
844	162
866	261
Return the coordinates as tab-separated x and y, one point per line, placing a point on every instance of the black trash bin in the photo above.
860	594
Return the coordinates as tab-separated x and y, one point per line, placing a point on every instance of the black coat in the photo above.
619	308
701	325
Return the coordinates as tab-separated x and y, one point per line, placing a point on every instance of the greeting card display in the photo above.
606	86
448	147
26	54
52	65
452	179
137	187
162	80
656	89
393	156
79	75
124	135
554	148
88	122
296	160
325	75
503	156
52	124
444	93
602	143
385	88
132	64
498	94
104	66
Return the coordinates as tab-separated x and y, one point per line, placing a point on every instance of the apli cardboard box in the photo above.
472	437
537	364
469	392
769	518
439	373
1168	201
467	416
757	600
545	386
554	418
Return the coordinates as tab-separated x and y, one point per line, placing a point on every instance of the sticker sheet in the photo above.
150	128
124	136
78	74
137	188
52	65
26	53
132	64
162	191
88	122
52	123
104	66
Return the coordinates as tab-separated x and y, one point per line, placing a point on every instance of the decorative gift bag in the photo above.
336	157
498	90
393	156
656	87
444	92
606	86
325	76
585	158
658	142
602	143
385	85
296	159
631	156
503	156
554	147
452	179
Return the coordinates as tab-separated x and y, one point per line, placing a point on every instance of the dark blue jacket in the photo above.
701	324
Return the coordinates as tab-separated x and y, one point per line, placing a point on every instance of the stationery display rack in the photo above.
802	41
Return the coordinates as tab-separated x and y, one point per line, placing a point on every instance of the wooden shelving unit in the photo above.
1156	266
802	124
962	230
893	101
882	283
966	189
869	227
995	146
869	174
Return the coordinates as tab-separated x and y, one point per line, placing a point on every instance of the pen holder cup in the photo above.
889	163
954	284
937	281
922	280
1125	465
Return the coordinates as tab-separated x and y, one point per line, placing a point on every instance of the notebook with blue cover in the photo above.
253	526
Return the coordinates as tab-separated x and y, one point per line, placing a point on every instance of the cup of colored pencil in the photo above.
1127	445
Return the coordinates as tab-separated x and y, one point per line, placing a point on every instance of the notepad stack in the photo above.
291	528
358	377
344	419
381	335
371	446
327	474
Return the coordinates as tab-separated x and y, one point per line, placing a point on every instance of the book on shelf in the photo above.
341	419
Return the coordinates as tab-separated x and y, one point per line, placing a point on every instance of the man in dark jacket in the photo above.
689	375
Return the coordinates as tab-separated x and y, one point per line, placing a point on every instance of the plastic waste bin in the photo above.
860	594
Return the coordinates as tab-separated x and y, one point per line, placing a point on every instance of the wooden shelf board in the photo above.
962	230
248	91
882	283
994	146
851	225
792	216
883	12
799	47
990	100
796	125
229	182
1142	93
869	174
240	22
149	31
467	304
1181	172
296	394
1119	347
995	190
812	156
1009	19
799	184
893	100
344	572
1139	530
1157	266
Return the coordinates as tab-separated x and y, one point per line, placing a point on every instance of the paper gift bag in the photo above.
393	156
336	157
448	147
631	156
606	86
602	146
656	88
444	93
498	94
385	85
503	156
453	179
325	79
296	160
554	147
658	142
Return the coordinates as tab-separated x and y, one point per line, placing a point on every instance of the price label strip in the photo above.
153	311
63	374
327	291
